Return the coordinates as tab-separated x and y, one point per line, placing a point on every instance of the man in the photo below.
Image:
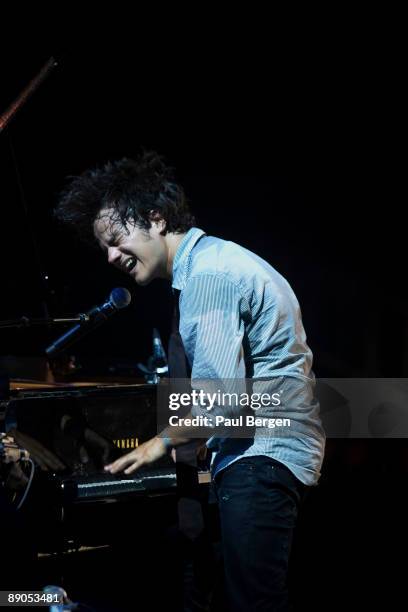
238	317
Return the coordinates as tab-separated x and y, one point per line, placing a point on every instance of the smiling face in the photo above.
143	254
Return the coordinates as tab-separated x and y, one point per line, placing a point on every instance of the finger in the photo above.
133	467
120	464
113	467
83	455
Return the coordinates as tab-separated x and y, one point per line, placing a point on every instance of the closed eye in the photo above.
113	240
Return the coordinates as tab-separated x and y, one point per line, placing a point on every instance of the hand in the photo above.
94	447
146	453
16	478
91	445
44	458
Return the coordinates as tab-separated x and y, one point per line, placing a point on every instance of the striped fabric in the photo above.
240	318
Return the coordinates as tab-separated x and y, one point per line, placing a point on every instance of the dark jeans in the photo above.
258	501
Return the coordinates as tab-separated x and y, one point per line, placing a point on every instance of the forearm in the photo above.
174	436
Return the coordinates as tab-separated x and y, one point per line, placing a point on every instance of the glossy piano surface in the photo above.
77	429
71	432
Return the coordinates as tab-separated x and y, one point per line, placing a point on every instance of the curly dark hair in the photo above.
132	190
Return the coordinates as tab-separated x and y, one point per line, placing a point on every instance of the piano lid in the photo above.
83	426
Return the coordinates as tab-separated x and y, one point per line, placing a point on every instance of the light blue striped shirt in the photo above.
240	318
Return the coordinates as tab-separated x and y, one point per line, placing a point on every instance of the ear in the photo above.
157	220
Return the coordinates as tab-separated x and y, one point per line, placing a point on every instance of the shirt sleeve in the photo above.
212	328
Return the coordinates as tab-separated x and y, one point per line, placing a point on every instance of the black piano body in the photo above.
83	428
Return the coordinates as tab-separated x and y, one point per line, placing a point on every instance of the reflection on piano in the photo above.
81	427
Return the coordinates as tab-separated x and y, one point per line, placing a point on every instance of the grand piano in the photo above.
71	432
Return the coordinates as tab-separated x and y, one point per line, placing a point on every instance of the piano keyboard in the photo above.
108	485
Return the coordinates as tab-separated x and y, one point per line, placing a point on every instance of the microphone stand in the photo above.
5	118
156	367
23	322
15	106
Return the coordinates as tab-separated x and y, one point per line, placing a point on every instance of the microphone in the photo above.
159	356
118	299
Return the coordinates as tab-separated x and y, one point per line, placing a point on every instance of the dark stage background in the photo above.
310	190
300	175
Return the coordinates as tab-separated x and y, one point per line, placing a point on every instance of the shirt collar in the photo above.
181	262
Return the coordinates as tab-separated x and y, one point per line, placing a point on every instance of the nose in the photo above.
113	255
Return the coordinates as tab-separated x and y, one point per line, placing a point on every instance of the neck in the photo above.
173	242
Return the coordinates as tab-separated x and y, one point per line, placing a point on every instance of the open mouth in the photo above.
130	264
